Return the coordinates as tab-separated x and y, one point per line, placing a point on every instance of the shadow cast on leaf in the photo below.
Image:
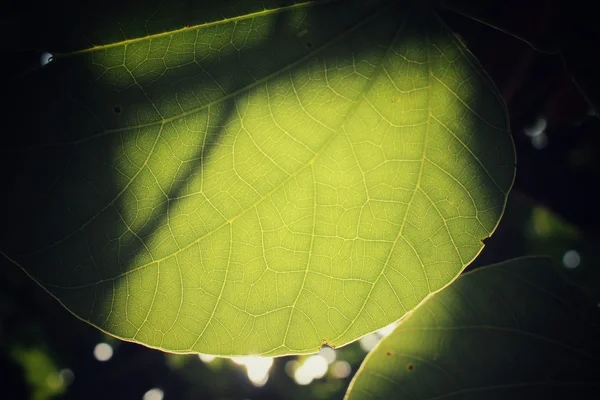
257	185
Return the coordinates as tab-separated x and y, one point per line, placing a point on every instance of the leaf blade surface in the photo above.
264	184
513	330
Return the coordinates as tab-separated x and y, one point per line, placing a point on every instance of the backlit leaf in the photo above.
260	184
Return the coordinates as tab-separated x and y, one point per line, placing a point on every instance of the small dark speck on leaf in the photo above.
117	109
389	353
410	367
308	44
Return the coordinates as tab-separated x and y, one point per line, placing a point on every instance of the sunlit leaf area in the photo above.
311	199
264	184
53	355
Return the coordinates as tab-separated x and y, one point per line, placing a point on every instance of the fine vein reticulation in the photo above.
267	183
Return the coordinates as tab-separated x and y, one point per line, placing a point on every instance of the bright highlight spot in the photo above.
103	352
314	367
154	394
537	128
257	368
341	369
317	364
368	342
290	367
328	354
302	376
386	330
206	358
540	141
45	58
571	259
537	133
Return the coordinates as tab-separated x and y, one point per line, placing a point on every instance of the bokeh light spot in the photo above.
317	365
54	381
154	394
341	369
45	58
103	352
67	376
302	376
537	128
206	358
540	141
257	368
291	367
386	330
368	342
328	354
571	259
314	367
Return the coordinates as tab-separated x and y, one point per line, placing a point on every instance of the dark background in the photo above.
549	88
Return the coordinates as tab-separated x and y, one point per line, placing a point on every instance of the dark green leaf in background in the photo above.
509	331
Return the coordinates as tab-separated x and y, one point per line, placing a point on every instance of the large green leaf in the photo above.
510	331
261	184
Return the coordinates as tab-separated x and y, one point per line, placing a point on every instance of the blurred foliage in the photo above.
41	374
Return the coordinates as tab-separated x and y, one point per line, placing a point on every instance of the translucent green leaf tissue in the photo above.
261	184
